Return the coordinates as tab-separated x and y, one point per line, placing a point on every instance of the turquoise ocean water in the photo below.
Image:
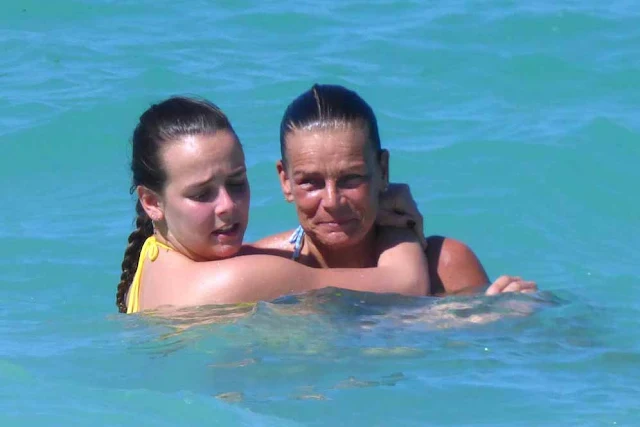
516	124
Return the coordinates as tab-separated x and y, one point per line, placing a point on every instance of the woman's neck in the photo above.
361	255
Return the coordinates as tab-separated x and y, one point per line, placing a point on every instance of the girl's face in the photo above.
204	207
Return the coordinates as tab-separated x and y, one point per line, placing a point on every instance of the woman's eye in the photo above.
237	185
351	181
311	183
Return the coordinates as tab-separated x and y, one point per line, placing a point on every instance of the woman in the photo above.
190	177
334	170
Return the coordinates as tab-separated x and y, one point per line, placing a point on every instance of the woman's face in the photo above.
334	177
205	202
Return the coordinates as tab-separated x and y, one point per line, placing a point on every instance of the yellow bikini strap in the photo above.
149	250
152	248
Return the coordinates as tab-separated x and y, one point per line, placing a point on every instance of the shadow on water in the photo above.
314	345
335	320
299	352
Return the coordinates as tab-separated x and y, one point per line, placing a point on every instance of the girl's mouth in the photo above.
227	230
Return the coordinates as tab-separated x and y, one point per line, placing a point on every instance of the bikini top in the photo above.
297	239
149	250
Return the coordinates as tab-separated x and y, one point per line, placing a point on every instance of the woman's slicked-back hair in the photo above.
328	107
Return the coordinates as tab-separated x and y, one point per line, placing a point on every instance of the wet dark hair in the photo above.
327	107
161	124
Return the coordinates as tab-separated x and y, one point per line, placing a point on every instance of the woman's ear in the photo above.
151	203
285	182
383	164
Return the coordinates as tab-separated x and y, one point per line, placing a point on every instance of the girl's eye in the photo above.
201	196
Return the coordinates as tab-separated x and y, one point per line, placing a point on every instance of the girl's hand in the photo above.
398	209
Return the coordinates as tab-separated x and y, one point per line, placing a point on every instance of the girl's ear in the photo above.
151	203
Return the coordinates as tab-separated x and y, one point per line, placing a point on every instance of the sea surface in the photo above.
517	125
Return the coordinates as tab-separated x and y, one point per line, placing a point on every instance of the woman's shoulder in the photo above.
453	266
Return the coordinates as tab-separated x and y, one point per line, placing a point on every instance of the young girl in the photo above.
190	177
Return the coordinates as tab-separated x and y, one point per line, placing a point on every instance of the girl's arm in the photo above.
402	269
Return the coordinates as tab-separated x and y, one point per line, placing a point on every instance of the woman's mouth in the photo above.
338	223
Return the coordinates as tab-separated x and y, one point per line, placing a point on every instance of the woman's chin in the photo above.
337	240
339	236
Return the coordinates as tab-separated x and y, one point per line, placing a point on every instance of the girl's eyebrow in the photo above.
234	174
